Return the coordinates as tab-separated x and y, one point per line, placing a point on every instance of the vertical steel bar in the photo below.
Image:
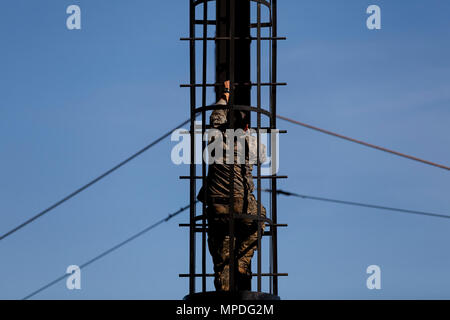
258	95
271	147
205	48
232	277
192	182
273	125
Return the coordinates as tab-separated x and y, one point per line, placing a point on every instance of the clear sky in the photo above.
75	103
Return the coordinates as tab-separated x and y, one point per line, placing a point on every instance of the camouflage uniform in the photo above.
217	200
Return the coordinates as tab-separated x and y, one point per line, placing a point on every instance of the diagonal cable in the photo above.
105	253
92	182
363	143
373	206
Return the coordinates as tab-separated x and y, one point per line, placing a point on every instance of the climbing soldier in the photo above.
232	179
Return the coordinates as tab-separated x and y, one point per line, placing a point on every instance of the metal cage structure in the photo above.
233	41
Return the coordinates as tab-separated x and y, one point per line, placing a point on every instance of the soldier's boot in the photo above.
244	277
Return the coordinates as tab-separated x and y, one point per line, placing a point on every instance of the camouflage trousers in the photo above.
245	241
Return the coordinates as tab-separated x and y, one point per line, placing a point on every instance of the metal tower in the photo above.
235	36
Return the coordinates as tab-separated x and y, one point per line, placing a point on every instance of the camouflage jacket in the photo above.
219	173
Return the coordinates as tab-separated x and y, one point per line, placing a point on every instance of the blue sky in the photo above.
75	103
